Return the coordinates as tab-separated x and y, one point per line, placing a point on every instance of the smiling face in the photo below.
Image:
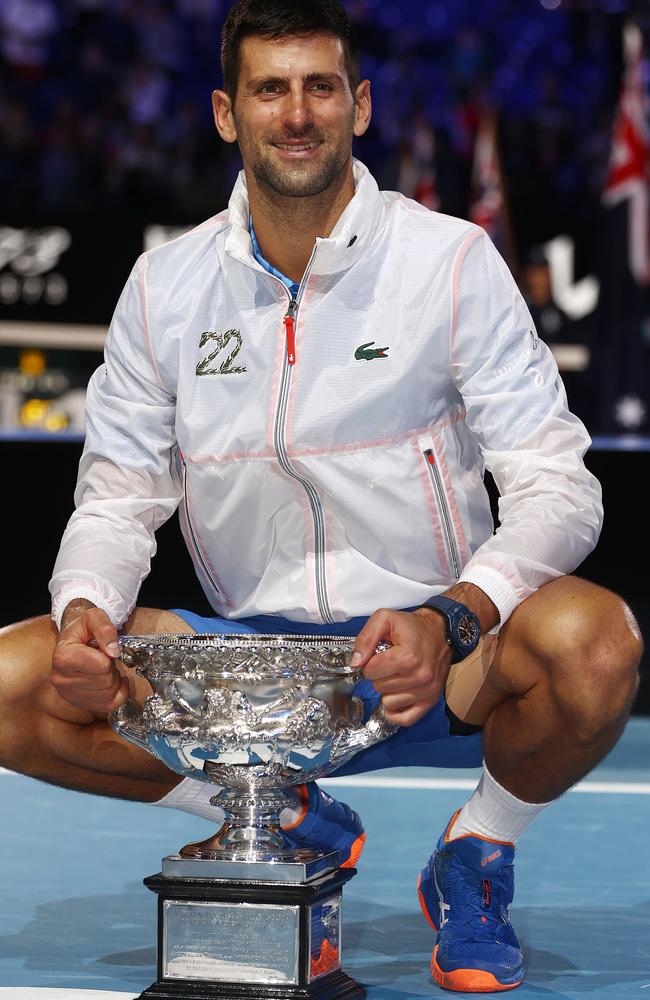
294	114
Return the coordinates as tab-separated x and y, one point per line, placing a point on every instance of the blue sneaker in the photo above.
465	891
327	825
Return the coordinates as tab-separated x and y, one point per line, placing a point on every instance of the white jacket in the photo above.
347	481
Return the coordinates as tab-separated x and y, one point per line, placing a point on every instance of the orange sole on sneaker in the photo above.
468	980
355	852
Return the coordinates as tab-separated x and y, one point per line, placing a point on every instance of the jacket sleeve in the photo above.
128	484
550	508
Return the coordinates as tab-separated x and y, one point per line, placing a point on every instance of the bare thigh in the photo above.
552	628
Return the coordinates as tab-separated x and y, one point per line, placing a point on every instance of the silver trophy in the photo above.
245	912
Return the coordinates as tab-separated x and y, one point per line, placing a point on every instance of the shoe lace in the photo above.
485	911
483	925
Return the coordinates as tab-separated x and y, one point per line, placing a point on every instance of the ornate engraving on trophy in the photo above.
230	942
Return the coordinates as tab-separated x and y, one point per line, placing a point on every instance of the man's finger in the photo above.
420	686
103	631
404	699
121	696
408	716
85	682
101	705
72	657
93	625
377	629
398	661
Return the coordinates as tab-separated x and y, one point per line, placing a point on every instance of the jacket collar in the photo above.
350	238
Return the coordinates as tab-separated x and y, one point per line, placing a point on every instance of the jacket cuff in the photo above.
71	593
497	588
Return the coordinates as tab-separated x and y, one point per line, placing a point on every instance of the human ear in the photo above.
362	107
223	116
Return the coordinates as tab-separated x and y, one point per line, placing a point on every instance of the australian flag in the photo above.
621	358
488	205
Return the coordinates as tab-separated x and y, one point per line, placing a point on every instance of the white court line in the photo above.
60	993
439	784
443	784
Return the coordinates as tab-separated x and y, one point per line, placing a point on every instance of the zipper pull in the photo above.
290	328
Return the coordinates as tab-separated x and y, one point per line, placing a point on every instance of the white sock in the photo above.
193	796
495	813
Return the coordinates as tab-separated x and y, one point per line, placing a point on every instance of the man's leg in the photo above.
43	736
560	689
553	703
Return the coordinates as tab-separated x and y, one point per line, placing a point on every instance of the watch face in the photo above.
468	630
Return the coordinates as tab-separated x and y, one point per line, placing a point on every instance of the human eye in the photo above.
323	87
269	89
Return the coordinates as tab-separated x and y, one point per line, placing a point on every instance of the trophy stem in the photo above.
253	821
251	827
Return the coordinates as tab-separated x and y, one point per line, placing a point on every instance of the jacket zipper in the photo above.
290	331
318	514
195	543
443	506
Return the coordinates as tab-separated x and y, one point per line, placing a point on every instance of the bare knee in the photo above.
591	646
25	660
26	695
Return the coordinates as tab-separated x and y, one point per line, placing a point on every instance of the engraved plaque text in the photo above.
230	942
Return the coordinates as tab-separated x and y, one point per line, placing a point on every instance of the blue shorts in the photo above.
431	742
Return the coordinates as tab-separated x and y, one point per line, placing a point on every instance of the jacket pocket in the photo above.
191	538
442	503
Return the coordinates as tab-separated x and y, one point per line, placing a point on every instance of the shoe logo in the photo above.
444	907
222	340
487	893
490	857
366	352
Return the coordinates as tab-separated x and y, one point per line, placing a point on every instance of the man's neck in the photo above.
287	228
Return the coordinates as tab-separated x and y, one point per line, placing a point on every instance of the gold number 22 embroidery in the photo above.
221	341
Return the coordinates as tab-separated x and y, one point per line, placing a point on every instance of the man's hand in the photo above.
411	675
86	676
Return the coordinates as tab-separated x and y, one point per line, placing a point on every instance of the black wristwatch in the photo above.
463	630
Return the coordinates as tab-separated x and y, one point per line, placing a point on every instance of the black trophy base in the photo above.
240	939
334	986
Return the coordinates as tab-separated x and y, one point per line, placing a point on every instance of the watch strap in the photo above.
452	611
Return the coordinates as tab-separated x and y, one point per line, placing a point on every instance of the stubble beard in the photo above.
302	180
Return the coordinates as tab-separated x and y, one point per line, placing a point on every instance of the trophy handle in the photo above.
126	721
377	728
350	742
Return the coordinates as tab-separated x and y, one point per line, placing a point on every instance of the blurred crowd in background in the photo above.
105	103
105	113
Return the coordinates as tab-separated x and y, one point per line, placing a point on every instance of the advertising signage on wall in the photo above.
64	273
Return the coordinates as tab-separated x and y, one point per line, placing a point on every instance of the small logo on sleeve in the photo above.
366	352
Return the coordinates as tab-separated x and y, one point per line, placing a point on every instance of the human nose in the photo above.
297	114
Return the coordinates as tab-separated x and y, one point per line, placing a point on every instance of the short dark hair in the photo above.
282	19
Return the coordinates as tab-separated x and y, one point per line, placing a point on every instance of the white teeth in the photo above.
298	149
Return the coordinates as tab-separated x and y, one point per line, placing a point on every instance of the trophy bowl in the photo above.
253	715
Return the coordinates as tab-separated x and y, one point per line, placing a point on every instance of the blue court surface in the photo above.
76	922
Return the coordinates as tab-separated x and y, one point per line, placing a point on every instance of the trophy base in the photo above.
250	938
298	866
333	986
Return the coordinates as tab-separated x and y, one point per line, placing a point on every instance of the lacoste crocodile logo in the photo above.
366	352
221	341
